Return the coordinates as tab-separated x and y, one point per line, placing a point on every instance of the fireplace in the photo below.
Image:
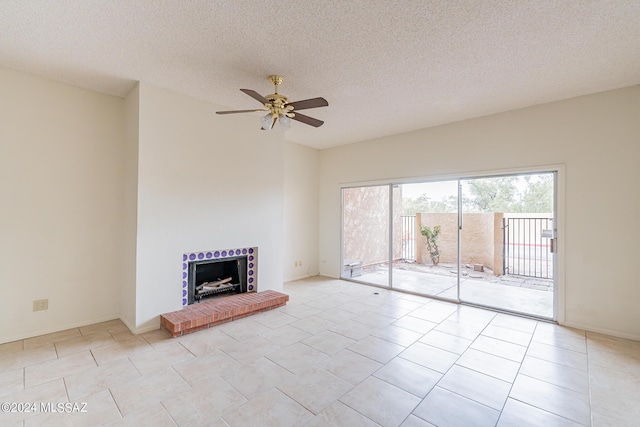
217	277
217	273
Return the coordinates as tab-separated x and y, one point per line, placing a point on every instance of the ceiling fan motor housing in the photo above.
277	105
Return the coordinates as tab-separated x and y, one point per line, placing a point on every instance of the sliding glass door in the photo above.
485	241
505	243
366	234
428	261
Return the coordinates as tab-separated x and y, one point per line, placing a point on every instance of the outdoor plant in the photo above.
432	241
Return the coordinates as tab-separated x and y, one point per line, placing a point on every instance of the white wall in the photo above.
61	205
204	182
130	209
300	211
88	179
596	137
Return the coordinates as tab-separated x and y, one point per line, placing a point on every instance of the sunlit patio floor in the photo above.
532	302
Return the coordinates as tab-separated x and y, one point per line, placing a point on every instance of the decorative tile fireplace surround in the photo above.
251	255
214	311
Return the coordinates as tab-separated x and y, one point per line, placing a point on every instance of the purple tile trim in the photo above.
252	273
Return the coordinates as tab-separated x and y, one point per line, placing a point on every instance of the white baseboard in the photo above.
128	324
603	331
150	326
147	328
293	279
52	329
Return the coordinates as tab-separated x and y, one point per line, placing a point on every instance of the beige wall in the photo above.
300	211
68	166
130	209
594	138
480	243
204	182
101	196
61	189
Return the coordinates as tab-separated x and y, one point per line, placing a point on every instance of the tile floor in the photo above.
337	355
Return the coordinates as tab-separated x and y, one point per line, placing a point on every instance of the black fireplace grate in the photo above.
231	288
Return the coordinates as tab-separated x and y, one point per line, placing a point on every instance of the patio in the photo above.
531	296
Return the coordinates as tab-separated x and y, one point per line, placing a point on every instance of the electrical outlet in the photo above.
300	263
40	304
295	264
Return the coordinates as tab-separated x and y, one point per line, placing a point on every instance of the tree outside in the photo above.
514	194
425	203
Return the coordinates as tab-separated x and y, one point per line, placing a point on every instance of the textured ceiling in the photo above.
385	67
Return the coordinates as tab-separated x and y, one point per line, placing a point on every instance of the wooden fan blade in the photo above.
255	95
309	103
307	120
238	111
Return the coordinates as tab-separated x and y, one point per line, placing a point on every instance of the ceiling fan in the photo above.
279	108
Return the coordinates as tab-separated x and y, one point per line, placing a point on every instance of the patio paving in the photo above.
523	295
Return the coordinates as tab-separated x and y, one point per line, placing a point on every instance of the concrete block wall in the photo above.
481	239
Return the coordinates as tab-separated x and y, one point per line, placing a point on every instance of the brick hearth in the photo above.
220	310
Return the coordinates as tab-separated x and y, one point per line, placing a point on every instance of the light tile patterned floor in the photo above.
339	354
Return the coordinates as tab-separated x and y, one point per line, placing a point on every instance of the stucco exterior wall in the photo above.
481	239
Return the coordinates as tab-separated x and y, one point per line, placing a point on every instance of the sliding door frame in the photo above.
554	254
389	235
558	170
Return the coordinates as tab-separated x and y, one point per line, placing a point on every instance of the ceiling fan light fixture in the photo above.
285	122
267	122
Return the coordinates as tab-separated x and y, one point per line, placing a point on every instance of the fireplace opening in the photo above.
214	278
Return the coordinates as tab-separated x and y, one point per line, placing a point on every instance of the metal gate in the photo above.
408	237
527	249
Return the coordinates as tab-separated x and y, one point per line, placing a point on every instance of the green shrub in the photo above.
432	241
